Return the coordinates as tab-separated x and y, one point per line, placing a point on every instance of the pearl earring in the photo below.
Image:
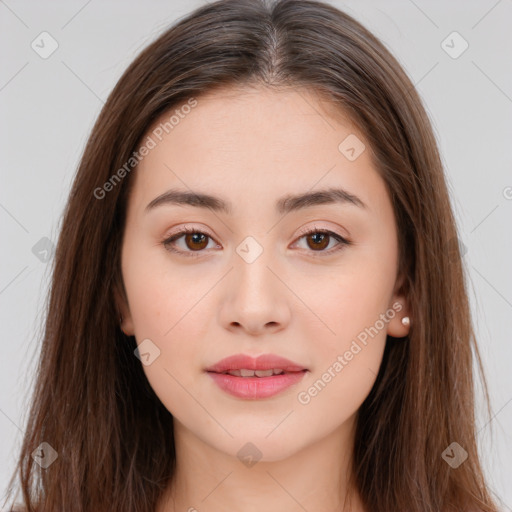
406	321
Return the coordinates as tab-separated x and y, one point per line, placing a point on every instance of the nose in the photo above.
256	298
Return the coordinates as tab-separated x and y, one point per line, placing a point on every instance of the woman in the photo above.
258	301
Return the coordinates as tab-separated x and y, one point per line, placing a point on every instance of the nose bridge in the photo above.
252	275
257	297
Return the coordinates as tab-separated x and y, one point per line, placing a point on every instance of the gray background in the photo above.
48	107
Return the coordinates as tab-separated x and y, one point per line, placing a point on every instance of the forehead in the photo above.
255	144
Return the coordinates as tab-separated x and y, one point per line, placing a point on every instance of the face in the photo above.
260	272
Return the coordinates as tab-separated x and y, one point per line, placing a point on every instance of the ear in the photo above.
126	323
399	303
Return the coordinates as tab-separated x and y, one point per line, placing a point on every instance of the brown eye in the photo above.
319	241
196	241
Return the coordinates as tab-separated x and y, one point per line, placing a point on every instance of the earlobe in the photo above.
124	318
125	330
399	325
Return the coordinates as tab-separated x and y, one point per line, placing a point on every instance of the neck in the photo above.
315	477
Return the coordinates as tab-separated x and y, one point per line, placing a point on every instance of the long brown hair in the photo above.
92	402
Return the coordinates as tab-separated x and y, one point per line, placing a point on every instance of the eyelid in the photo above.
315	229
187	229
342	240
179	233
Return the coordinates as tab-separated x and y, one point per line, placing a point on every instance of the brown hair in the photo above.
92	402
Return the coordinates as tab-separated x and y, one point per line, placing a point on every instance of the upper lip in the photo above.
262	362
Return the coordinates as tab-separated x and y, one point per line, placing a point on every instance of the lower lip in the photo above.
255	388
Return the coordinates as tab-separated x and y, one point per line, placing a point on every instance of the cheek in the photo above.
350	323
170	314
346	302
160	295
166	318
349	351
162	310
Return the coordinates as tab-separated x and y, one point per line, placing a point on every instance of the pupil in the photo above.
318	238
197	238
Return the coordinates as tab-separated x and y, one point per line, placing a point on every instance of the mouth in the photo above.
246	377
244	373
263	363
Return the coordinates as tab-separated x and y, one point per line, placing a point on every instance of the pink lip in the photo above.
263	362
255	387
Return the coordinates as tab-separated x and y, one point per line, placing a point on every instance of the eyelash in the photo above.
342	242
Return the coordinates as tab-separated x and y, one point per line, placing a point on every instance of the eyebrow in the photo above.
286	204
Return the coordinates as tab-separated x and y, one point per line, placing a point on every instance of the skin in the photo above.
252	146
